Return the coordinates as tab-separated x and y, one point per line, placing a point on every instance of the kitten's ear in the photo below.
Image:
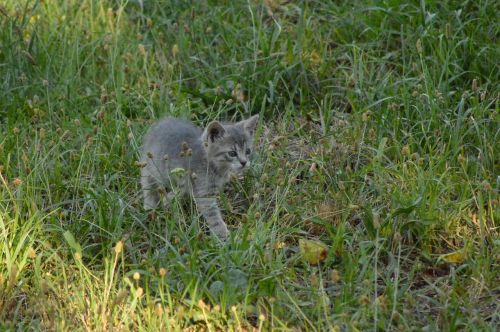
250	124
213	131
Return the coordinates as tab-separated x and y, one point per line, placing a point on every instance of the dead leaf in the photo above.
313	251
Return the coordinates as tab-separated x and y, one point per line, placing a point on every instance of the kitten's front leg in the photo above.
167	199
150	193
211	212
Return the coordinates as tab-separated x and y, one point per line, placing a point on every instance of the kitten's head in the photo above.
229	146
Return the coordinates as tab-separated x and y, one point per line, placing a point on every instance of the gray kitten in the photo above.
178	155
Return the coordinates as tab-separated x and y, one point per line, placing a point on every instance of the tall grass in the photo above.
379	137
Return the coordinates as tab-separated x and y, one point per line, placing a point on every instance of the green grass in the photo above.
379	136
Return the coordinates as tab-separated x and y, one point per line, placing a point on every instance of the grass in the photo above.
379	137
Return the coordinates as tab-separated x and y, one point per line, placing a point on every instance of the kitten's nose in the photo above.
243	163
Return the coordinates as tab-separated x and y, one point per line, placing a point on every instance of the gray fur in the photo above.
204	155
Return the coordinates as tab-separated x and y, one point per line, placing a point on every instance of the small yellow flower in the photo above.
136	276
34	19
163	272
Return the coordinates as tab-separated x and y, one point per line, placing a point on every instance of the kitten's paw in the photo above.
222	235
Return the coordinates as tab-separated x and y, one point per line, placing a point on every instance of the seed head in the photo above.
418	45
397	237
364	300
17	182
122	295
405	150
31	253
158	309
142	49
365	116
118	247
487	186
335	276
175	50
474	85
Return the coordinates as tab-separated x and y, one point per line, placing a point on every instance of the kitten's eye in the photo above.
248	151
232	154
